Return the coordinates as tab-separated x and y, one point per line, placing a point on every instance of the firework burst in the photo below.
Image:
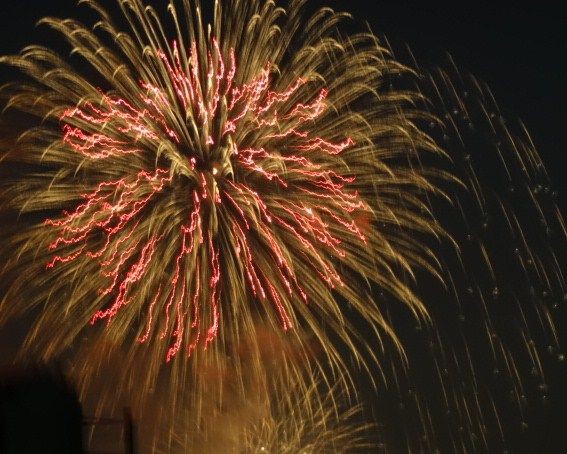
300	420
251	171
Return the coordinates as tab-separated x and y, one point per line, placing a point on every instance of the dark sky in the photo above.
518	50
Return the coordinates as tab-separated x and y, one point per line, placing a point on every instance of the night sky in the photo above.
518	51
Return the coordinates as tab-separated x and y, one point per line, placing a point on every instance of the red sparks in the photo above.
290	158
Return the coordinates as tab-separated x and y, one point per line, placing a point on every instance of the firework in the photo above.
226	207
303	421
214	178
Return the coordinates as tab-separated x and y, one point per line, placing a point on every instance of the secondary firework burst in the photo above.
300	420
252	170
